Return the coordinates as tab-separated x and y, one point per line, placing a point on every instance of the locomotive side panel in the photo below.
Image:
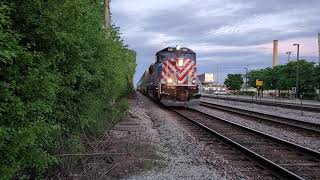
151	82
141	86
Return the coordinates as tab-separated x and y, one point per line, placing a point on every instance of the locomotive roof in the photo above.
173	49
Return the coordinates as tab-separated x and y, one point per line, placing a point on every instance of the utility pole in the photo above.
217	74
107	16
297	73
319	48
319	64
246	85
289	54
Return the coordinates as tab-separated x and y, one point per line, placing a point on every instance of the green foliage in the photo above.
283	77
234	81
247	93
59	77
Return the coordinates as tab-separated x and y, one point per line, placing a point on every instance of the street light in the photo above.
297	73
246	80
289	54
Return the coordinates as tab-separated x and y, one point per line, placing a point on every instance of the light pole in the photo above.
217	74
319	47
297	72
246	80
289	54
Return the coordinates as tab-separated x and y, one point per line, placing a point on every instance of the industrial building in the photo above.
210	86
206	78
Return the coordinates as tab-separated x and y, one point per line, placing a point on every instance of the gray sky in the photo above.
228	34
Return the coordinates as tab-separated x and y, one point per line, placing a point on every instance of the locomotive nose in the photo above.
180	62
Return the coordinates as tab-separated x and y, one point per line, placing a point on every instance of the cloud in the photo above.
231	33
308	46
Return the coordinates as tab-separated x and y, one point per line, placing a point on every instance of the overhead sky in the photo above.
227	35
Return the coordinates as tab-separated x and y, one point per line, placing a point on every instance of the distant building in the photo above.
206	78
210	86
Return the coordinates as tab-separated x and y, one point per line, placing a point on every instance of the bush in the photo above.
247	93
60	77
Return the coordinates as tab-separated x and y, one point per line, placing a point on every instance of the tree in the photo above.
284	77
234	81
307	78
60	79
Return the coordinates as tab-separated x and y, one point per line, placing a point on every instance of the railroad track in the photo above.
301	127
304	107
285	159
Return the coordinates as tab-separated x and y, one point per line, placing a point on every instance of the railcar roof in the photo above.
174	50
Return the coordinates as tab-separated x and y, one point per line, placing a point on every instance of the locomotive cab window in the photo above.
174	55
151	69
157	60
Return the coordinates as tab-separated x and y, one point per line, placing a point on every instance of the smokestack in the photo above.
275	53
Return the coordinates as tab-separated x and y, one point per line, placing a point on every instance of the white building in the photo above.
207	78
209	84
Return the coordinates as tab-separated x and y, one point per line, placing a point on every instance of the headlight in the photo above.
180	62
178	47
193	81
169	80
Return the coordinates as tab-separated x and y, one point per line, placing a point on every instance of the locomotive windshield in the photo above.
173	55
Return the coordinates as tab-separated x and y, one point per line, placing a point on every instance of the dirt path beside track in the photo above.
152	143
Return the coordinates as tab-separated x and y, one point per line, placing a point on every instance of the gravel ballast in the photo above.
312	143
183	155
313	117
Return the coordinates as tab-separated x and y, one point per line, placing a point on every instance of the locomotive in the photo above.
172	78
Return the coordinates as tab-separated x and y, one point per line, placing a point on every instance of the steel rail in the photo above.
278	169
296	106
304	125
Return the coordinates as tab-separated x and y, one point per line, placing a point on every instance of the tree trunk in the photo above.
107	15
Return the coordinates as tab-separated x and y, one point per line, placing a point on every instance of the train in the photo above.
172	78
